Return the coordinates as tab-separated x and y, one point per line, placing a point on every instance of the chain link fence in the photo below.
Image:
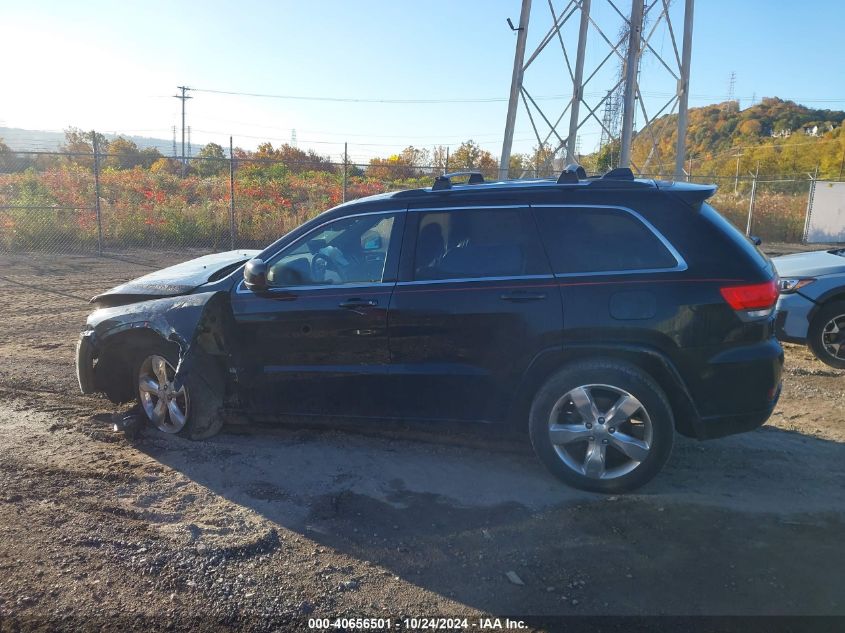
65	202
773	208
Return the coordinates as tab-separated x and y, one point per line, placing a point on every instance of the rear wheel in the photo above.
602	425
191	410
827	334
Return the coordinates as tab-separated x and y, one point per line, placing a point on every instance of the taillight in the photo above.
753	300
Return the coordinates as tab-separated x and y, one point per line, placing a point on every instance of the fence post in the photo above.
231	195
751	204
810	193
96	148
345	169
736	179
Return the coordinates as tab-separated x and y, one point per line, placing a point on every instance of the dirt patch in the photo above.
261	527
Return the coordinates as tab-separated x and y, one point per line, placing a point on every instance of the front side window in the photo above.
473	243
348	250
595	240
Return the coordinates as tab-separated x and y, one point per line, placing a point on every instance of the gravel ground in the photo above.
263	527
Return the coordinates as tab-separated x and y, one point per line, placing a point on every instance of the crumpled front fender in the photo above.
199	324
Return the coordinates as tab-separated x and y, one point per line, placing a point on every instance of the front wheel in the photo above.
827	335
192	410
602	425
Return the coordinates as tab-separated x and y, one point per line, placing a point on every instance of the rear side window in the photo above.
742	242
594	240
472	243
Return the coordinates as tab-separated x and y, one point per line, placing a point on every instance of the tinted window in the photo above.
735	236
349	250
584	240
478	243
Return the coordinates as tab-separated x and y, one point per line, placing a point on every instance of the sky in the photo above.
114	67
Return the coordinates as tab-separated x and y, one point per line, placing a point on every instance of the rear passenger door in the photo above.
476	302
618	275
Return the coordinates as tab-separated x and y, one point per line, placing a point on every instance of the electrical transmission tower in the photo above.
624	98
293	137
610	122
174	141
183	97
732	101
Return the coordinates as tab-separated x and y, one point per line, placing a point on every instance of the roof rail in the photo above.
571	173
620	173
445	181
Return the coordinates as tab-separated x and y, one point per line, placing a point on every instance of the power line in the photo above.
292	97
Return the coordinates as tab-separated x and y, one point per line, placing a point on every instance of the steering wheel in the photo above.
322	268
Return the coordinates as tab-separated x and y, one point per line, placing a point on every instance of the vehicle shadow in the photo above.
452	514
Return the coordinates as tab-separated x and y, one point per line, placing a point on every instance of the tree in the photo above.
122	154
294	159
439	159
210	160
542	158
470	156
466	156
8	162
166	166
80	146
149	155
396	167
752	127
406	164
415	156
518	165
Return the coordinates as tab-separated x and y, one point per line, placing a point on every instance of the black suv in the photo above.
603	313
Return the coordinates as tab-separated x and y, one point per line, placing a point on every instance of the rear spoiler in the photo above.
691	193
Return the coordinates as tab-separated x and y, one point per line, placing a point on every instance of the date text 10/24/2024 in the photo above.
416	624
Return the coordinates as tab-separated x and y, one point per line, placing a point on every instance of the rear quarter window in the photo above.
596	240
736	238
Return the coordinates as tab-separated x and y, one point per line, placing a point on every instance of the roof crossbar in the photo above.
445	181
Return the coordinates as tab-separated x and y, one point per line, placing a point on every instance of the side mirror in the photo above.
255	275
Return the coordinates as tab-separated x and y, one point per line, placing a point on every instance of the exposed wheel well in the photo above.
115	358
652	363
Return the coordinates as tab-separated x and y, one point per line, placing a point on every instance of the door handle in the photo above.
519	296
358	303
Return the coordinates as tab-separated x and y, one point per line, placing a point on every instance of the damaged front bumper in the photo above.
85	355
199	324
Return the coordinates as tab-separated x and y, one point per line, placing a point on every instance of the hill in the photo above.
784	137
43	140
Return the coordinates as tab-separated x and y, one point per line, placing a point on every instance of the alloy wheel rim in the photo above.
600	431
164	405
833	337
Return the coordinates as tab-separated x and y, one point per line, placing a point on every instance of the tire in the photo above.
199	400
644	427
827	334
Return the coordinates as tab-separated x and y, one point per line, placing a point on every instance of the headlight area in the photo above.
788	285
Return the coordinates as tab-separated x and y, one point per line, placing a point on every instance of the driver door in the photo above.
315	342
